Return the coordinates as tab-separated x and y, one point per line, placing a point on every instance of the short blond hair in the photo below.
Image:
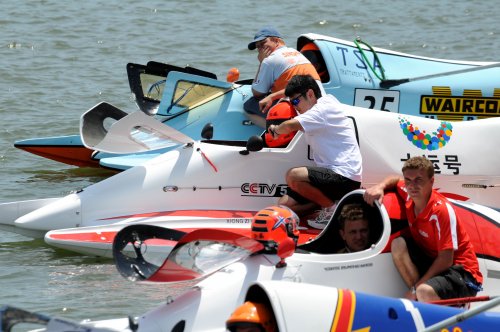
419	162
277	40
352	211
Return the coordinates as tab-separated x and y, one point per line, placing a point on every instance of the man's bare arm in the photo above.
377	191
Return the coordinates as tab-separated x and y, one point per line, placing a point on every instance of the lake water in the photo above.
60	58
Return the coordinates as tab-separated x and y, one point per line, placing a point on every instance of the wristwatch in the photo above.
413	290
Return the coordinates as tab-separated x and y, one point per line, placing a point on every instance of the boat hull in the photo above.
223	175
218	264
65	149
312	271
98	240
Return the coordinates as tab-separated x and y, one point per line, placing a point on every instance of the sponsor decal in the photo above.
349	267
263	189
350	63
238	221
424	234
280	222
347	72
460	105
470	104
450	163
423	140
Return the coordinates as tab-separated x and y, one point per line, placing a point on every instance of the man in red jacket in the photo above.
438	260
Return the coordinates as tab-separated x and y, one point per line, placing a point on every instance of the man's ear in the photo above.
310	94
341	232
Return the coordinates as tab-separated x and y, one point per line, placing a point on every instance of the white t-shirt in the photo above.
332	138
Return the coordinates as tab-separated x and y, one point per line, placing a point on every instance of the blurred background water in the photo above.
60	58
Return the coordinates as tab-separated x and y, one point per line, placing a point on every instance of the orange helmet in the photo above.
309	47
251	314
313	54
279	113
273	224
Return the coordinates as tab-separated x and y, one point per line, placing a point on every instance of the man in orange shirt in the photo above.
438	260
277	65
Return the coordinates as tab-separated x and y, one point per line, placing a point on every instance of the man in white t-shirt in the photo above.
335	149
277	64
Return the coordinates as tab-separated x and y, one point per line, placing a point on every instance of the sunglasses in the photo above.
296	101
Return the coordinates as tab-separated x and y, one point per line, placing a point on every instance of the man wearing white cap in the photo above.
278	64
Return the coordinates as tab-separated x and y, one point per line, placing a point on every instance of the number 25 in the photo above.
385	100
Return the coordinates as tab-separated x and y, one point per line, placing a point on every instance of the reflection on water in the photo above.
92	175
69	283
58	182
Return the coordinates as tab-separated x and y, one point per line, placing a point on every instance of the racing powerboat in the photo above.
287	306
220	270
243	177
223	263
98	240
184	98
356	73
218	267
306	307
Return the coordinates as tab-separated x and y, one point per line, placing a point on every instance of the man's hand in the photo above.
265	103
272	131
264	53
376	193
372	194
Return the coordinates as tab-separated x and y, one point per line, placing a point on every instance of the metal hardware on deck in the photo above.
194	188
170	189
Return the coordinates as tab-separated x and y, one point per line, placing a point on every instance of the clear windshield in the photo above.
187	94
190	94
152	86
205	257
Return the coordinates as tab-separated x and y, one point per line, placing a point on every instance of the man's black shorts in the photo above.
452	283
331	184
251	106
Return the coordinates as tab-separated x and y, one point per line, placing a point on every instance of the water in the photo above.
60	58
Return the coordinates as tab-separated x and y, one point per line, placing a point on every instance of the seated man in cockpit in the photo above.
354	228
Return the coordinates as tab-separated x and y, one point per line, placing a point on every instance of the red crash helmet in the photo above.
279	113
251	314
273	224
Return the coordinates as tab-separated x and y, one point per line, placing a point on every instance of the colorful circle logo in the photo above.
426	141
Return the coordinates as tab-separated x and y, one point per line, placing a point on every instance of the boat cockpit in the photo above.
329	240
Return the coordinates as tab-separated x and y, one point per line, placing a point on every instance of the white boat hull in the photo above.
222	178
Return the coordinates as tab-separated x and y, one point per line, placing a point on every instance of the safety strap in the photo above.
357	42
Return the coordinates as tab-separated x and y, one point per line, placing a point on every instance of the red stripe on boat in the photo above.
108	237
344	314
191	213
